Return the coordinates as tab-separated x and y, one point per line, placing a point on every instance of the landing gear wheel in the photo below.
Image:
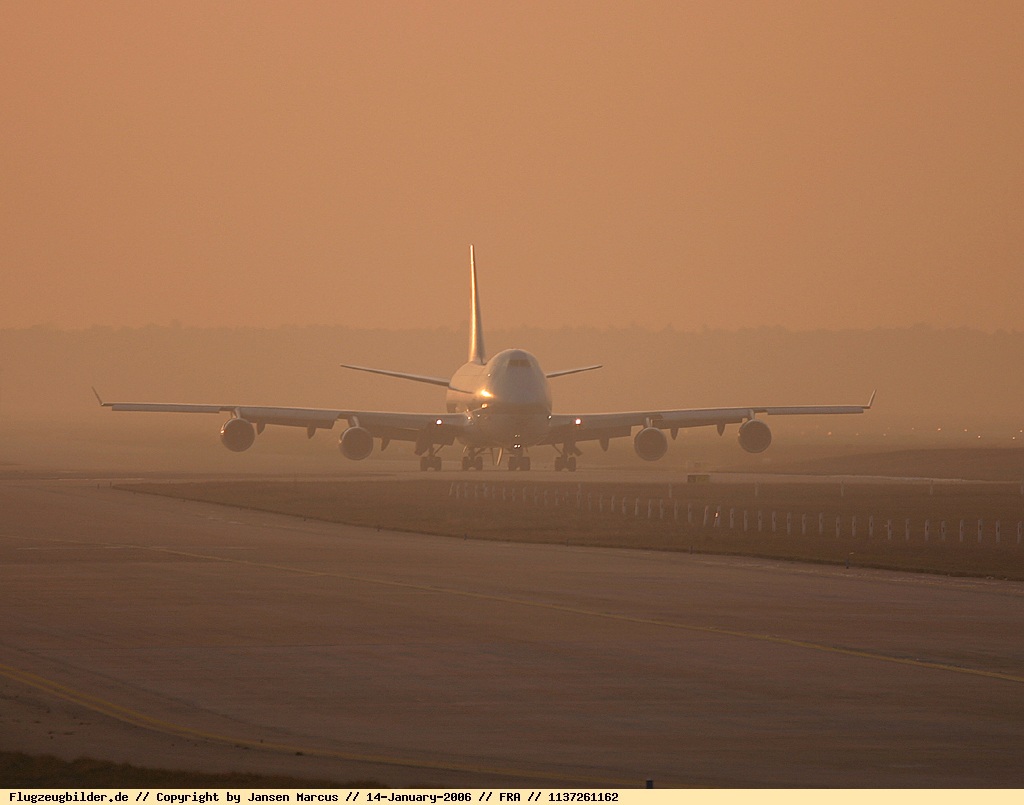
430	463
478	463
466	462
559	463
513	463
570	463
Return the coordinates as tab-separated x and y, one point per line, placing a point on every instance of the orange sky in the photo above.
718	164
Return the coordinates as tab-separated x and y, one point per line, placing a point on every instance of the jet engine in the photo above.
755	436
356	443
237	434
650	444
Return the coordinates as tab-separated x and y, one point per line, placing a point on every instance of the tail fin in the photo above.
476	331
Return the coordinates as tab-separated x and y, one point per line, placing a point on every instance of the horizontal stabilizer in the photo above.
564	372
434	381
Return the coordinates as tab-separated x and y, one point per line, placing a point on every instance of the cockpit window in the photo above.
519	362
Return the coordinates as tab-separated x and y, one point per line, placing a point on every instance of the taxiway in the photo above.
177	634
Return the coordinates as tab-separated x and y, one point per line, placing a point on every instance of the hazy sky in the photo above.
720	164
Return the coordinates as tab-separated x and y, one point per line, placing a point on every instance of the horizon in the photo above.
925	378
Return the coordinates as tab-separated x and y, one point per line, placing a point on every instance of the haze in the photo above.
721	165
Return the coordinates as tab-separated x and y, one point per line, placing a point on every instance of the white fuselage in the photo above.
507	399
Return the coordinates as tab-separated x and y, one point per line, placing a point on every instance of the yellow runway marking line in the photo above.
782	641
804	644
138	719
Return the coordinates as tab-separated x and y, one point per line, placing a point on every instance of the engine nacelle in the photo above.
650	444
755	436
237	435
356	443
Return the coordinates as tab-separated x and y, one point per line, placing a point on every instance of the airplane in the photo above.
500	405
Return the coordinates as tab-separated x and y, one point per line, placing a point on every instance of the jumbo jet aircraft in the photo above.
501	406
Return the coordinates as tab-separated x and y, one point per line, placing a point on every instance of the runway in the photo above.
178	634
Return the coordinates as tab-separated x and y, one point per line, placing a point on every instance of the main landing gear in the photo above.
518	462
431	462
565	463
472	460
566	458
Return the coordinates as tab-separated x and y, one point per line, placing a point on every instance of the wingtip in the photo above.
871	401
99	399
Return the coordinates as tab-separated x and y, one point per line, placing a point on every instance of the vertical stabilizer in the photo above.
476	332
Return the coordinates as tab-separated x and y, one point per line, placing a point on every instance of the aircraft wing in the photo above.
585	427
383	424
